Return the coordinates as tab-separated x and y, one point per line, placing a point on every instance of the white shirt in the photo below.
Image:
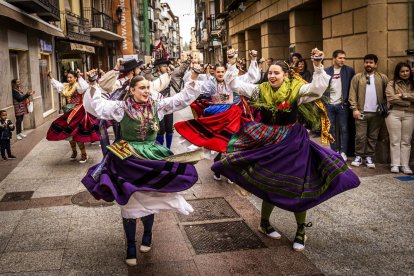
370	104
336	87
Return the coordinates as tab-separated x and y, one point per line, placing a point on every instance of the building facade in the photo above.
27	53
280	27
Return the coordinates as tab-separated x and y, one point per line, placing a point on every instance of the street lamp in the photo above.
118	12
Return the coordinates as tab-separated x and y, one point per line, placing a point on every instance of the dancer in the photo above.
166	131
222	117
75	122
138	173
275	159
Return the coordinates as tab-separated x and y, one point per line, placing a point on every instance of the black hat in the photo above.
161	61
130	65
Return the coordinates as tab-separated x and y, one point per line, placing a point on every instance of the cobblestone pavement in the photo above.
366	231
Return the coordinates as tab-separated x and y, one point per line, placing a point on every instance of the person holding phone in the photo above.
367	90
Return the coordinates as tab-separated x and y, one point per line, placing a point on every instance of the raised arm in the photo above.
187	95
253	75
314	90
100	107
57	85
160	83
82	85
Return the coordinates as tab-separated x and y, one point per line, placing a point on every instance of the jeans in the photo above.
400	125
338	116
5	147
19	120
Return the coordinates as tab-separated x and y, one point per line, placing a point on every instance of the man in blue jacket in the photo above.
336	99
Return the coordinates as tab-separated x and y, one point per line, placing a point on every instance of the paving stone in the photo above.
166	268
37	241
31	261
94	256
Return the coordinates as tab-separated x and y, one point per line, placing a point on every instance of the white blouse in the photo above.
114	110
307	93
81	88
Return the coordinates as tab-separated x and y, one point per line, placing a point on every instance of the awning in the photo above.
102	33
12	12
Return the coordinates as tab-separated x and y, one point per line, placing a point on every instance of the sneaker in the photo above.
406	170
84	159
23	135
370	164
19	137
343	155
4	157
395	169
357	161
217	177
229	181
74	154
299	245
11	156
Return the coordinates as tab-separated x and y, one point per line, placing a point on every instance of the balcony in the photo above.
152	26
215	24
174	41
76	27
48	10
102	25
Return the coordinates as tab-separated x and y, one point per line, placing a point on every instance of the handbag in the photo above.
382	109
30	106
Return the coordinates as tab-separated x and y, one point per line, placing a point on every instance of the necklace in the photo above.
145	114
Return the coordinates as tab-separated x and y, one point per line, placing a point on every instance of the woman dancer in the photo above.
75	122
275	159
136	172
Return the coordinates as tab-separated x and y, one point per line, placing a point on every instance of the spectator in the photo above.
336	98
303	70
295	58
269	61
400	121
20	100
6	128
366	92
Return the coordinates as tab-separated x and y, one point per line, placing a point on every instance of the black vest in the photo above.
280	117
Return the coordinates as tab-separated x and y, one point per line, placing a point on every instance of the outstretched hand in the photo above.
317	56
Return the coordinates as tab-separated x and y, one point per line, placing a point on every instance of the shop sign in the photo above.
45	46
82	48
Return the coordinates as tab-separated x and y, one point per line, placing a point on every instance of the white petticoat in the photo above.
208	154
142	204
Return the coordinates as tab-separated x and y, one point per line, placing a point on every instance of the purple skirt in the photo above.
294	174
119	179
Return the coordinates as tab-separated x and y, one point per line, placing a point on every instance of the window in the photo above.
46	90
14	66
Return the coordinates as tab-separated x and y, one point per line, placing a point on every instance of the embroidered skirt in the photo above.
213	132
82	126
119	179
283	166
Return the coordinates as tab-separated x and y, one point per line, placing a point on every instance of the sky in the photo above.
184	9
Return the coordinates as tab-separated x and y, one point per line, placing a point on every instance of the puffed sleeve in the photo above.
57	85
187	95
82	85
253	75
312	91
102	108
108	81
160	83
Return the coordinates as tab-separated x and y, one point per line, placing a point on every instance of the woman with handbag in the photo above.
20	100
400	120
75	122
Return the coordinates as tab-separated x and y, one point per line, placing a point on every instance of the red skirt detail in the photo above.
82	126
213	132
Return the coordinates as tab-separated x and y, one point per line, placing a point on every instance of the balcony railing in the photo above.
174	41
76	27
215	24
45	9
99	19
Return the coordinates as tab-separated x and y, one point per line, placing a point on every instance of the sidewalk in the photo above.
60	230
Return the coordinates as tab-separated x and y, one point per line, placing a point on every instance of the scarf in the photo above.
69	89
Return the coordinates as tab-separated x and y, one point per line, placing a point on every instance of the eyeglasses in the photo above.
368	80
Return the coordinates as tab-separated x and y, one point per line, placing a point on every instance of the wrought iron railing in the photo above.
76	27
215	24
99	19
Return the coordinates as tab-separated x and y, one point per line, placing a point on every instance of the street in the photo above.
60	230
